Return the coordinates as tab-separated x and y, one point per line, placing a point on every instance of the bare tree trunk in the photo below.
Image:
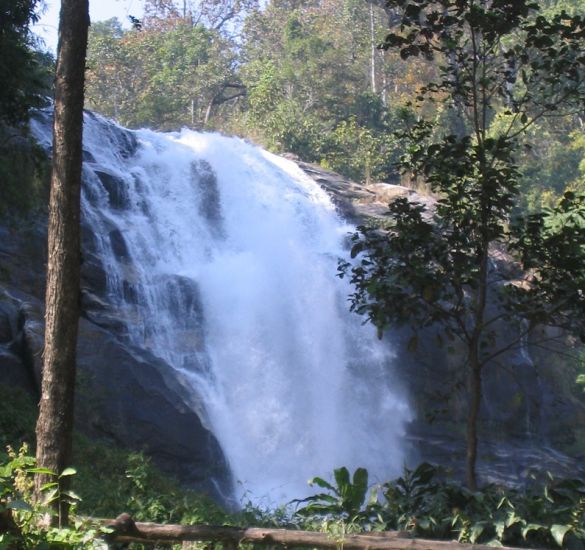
473	414
476	365
372	50
55	423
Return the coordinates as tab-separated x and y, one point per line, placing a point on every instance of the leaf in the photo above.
512	519
71	495
320	482
49	485
316	498
19	505
558	532
531	527
41	471
52	495
357	490
68	472
342	479
476	532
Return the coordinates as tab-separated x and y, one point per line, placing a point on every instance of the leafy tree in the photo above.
167	75
437	266
25	74
223	16
54	428
307	67
23	70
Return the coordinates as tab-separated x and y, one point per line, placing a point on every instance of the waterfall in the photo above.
221	259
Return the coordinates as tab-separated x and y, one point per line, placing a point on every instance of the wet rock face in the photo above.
125	395
115	188
131	398
119	139
209	205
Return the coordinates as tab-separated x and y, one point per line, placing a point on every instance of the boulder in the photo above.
125	395
116	189
135	400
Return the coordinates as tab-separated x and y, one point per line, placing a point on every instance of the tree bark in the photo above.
126	531
475	366
372	51
55	423
473	414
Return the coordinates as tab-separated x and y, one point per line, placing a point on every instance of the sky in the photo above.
99	10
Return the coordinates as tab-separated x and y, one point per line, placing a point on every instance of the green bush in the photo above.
426	504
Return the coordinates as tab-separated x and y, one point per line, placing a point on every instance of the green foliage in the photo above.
358	152
153	497
24	72
307	93
54	491
17	417
425	503
307	78
553	243
26	517
166	75
428	505
345	500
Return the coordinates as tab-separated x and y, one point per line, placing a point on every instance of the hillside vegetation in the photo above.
303	76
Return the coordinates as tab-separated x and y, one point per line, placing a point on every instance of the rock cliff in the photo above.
124	394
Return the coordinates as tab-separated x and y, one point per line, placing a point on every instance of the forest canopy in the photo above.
306	77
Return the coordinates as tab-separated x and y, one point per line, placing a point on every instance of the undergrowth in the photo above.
422	502
426	504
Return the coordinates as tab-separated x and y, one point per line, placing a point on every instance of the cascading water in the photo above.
221	259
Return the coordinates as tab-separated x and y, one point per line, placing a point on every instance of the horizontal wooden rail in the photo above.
126	530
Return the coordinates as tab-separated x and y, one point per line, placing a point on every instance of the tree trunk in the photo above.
55	423
372	51
475	366
474	404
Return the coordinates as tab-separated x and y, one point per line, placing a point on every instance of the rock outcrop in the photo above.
125	395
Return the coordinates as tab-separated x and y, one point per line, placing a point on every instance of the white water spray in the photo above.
222	259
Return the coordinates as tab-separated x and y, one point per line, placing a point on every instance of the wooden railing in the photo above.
125	530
